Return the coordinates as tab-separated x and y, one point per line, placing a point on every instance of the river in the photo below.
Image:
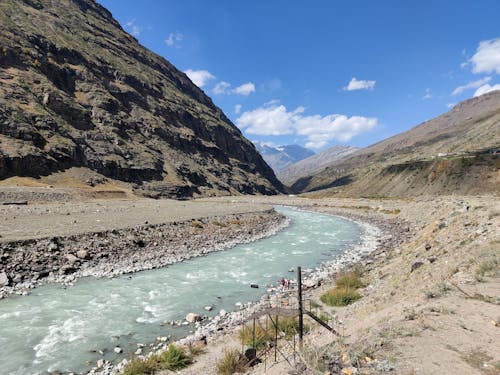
62	329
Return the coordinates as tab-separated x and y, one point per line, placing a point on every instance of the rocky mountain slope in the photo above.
456	152
281	157
314	163
77	91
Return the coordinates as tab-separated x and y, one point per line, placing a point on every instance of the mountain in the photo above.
314	163
282	156
457	152
79	93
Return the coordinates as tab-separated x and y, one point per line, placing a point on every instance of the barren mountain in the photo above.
79	94
456	152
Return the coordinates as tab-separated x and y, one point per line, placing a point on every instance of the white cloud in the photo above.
245	89
451	105
199	77
276	120
487	57
428	94
237	108
221	87
133	28
174	39
471	85
355	84
486	88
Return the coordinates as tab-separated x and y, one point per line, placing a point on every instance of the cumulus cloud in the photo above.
274	119
199	77
487	57
174	39
245	89
237	108
221	87
356	84
471	85
486	88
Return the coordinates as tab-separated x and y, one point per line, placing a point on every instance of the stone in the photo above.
100	363
193	317
138	351
118	350
53	246
82	254
208	308
222	312
416	266
428	247
4	279
71	258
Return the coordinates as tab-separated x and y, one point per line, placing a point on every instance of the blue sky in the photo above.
321	73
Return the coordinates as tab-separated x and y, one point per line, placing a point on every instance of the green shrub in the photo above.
349	280
232	362
340	296
146	366
246	336
175	358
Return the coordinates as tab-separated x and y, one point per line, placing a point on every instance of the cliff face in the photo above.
77	91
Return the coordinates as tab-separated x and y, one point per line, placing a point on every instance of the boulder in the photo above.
82	254
71	258
4	279
118	350
193	317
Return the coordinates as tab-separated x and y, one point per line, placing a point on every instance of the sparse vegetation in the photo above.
340	296
488	267
174	358
232	362
345	291
247	337
147	366
350	280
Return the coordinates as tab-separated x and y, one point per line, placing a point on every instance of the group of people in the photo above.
284	284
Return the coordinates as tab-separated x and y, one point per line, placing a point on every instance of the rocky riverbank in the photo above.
210	330
28	263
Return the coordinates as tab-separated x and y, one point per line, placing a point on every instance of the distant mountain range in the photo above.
314	163
280	157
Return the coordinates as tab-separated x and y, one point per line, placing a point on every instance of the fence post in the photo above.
301	321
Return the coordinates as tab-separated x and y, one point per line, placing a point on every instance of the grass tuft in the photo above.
340	296
175	358
232	362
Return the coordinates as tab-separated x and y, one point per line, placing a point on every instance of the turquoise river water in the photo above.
60	329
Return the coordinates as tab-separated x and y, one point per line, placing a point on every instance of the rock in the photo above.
193	317
138	351
4	279
208	308
53	246
71	258
222	312
82	254
428	247
309	283
100	363
118	350
416	266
